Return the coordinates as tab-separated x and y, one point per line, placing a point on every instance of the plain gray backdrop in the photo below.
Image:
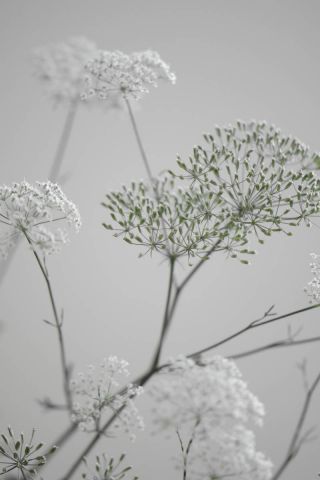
233	59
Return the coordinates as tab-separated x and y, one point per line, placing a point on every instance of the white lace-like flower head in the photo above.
95	392
126	75
230	455
36	213
313	287
210	403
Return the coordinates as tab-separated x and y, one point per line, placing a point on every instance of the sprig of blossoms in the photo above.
60	67
34	212
237	187
126	75
106	468
313	287
211	403
97	392
17	454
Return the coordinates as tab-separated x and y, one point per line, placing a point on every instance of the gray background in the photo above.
233	59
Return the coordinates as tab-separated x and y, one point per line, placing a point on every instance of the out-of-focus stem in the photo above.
63	142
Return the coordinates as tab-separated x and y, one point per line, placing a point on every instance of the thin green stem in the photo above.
58	325
165	323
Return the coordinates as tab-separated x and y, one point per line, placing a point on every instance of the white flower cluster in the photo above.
61	68
29	210
211	403
95	393
313	287
126	75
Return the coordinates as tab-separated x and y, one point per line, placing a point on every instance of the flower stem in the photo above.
58	325
166	318
139	141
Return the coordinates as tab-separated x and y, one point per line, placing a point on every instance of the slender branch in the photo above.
297	441
63	143
279	344
58	325
139	141
256	323
165	323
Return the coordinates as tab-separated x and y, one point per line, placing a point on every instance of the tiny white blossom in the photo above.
211	403
35	212
96	392
127	75
313	287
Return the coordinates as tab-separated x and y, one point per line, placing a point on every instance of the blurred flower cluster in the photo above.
95	392
239	185
211	404
34	211
60	67
313	287
126	75
17	454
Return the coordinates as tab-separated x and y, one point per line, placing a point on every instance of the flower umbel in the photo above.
126	75
60	67
237	188
17	454
210	403
35	212
95	393
107	469
245	166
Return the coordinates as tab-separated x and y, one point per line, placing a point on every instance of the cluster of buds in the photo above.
17	454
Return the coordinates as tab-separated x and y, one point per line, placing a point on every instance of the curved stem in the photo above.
58	325
64	140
